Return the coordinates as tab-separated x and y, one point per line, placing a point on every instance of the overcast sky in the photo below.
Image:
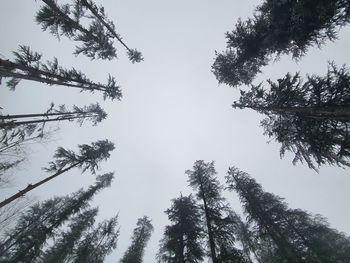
173	112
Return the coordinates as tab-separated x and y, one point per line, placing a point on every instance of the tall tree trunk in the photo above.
14	123
51	81
209	227
33	186
18	116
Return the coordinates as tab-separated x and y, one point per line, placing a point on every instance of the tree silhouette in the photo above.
28	66
182	240
299	236
278	27
93	112
96	38
141	235
219	222
88	158
63	247
97	243
311	118
98	12
263	250
25	242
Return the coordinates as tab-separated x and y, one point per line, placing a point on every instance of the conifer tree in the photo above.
63	247
182	240
96	38
142	233
97	243
28	66
263	250
93	112
98	12
217	214
278	27
88	158
318	97
25	242
311	118
298	236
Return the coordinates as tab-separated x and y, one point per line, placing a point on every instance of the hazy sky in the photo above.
173	112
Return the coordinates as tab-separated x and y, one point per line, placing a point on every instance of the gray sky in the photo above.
172	113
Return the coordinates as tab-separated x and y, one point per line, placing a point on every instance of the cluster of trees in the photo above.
206	226
82	21
309	118
63	229
40	235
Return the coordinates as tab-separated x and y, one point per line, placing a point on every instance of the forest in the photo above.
204	146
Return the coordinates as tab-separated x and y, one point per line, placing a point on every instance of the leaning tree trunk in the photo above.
33	186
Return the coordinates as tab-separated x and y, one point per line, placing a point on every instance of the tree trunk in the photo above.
50	81
33	186
210	231
18	116
14	123
341	113
96	14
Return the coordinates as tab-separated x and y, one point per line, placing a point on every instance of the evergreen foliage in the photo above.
63	247
97	243
96	38
182	240
99	14
25	242
218	217
310	119
141	235
93	113
28	66
278	27
298	236
65	20
88	158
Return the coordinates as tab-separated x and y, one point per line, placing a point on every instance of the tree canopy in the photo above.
182	241
142	233
310	118
278	27
96	38
28	65
298	236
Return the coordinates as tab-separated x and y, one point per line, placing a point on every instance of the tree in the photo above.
63	247
98	12
217	214
96	38
28	66
299	236
182	240
262	249
25	242
14	144
93	112
142	233
278	27
97	243
10	213
311	118
88	159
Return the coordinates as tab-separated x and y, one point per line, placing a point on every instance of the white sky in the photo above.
173	113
